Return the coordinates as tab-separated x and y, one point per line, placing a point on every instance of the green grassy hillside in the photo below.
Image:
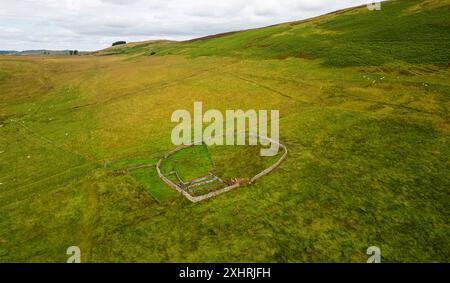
364	103
353	37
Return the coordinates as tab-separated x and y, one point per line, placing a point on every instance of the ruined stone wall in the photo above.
221	191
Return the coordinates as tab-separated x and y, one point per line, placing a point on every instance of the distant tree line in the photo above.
119	43
70	52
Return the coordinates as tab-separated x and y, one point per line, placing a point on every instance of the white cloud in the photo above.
94	24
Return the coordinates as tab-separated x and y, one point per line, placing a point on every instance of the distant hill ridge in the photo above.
37	52
411	31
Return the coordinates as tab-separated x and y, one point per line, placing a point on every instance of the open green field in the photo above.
364	100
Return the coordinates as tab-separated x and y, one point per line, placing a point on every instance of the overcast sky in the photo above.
95	24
